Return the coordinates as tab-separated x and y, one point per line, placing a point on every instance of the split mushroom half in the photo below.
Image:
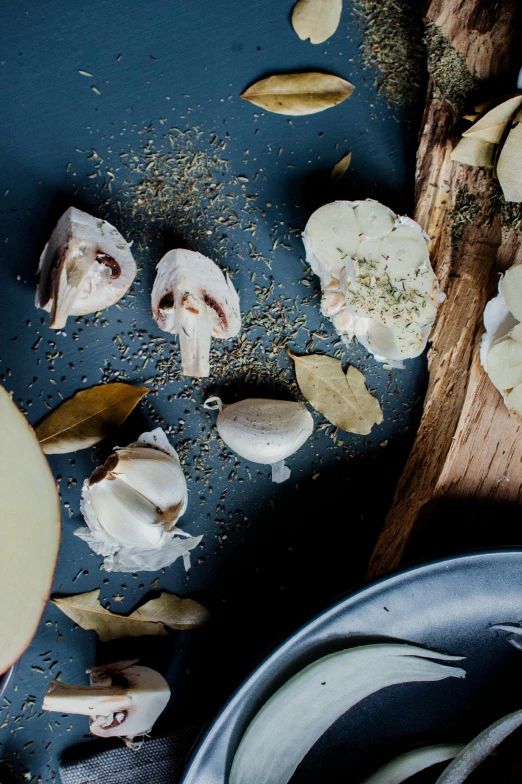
86	266
376	277
124	700
501	347
193	299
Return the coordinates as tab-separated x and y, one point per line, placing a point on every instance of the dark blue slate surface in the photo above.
288	549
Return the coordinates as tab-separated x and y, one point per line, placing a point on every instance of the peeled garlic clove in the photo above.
263	431
331	235
193	299
86	266
390	292
132	504
505	364
511	285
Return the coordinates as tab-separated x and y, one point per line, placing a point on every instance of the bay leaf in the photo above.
342	399
509	165
340	168
316	19
491	127
474	152
88	417
298	93
152	618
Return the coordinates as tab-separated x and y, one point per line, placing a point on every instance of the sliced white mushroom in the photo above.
264	431
383	271
501	346
124	699
193	299
86	266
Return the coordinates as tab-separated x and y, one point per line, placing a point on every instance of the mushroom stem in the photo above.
194	343
85	700
72	276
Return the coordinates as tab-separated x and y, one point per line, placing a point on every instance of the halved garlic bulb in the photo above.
193	299
86	266
132	504
376	277
501	346
263	431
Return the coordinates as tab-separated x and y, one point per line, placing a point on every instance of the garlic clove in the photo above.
263	431
516	333
511	286
505	363
391	293
331	235
193	299
86	266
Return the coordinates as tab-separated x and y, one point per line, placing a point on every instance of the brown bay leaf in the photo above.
152	618
474	152
88	417
316	19
340	168
492	125
298	93
509	164
342	399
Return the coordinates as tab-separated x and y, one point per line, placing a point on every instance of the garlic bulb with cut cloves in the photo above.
263	431
132	505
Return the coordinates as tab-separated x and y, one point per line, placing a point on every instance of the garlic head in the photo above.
263	431
132	504
86	266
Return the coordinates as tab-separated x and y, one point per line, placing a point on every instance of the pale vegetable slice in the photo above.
505	364
492	125
316	19
340	168
331	235
342	399
474	152
402	768
509	165
152	618
88	417
298	93
300	711
511	286
30	524
479	749
404	249
374	219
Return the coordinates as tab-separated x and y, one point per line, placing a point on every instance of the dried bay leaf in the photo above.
474	152
298	93
509	165
151	619
342	399
87	417
340	168
316	19
492	126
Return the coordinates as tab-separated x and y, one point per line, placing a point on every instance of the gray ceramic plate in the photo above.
447	605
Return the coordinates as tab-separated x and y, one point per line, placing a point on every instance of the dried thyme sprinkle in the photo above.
464	211
448	68
393	47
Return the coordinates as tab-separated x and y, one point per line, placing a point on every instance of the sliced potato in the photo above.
512	290
505	364
374	219
334	232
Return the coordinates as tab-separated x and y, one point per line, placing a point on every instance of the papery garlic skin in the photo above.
501	345
193	299
86	266
124	699
377	281
263	431
132	504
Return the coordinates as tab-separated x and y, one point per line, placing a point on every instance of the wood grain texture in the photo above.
466	442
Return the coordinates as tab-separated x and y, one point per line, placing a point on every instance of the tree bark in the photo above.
466	443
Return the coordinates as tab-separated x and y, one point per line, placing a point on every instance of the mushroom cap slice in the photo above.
86	266
379	265
192	298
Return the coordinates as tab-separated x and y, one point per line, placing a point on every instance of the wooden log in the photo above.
466	443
